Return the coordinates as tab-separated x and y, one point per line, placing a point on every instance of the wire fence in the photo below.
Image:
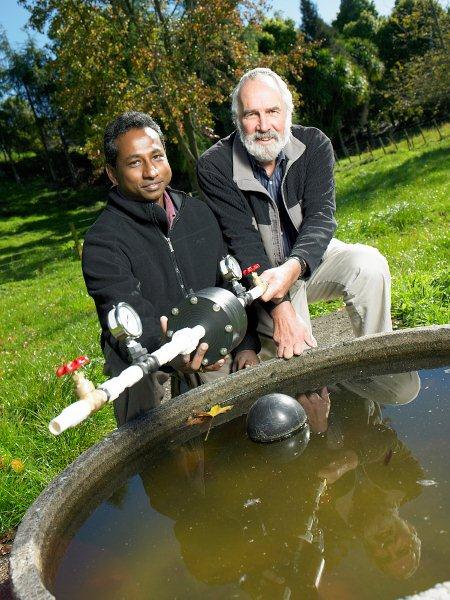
367	146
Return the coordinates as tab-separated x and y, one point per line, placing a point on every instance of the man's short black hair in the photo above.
122	124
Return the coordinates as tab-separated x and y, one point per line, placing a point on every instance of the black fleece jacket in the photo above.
244	213
130	255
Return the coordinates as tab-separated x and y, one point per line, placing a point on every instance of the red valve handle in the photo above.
251	269
72	366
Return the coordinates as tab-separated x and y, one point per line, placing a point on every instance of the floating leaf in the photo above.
252	502
218	410
426	482
17	465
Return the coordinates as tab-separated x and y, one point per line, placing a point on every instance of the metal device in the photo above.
221	312
214	315
275	417
124	322
230	269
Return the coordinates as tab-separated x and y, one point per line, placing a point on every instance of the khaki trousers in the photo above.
356	273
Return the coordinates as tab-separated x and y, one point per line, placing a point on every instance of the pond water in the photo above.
361	513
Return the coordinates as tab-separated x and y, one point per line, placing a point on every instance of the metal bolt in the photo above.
175	311
216	307
205	362
193	300
223	351
228	328
169	333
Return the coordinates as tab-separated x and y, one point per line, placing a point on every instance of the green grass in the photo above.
398	203
47	318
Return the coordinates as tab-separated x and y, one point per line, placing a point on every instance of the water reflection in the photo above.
271	517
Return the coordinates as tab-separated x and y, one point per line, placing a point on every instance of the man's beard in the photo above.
265	152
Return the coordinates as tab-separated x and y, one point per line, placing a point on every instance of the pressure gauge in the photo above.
124	322
229	268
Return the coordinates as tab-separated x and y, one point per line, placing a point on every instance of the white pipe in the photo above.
77	412
183	341
116	385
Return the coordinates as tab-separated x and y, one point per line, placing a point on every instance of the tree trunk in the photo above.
42	134
10	161
343	146
70	167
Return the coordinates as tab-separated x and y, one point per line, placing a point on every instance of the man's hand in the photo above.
184	363
345	461
280	280
290	332
244	359
317	408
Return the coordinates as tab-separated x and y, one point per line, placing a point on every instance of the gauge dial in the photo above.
124	322
230	269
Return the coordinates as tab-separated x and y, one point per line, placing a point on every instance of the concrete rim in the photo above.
42	526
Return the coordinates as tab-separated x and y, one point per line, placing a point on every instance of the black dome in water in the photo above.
274	417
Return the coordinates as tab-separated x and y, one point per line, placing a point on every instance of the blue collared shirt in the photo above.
273	186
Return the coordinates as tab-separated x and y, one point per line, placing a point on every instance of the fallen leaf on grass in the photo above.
203	416
17	465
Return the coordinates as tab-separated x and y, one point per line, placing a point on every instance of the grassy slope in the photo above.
400	204
397	203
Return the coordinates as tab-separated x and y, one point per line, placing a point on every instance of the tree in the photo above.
413	28
351	10
310	18
172	59
312	25
365	54
421	86
365	26
334	91
17	131
277	36
24	74
413	42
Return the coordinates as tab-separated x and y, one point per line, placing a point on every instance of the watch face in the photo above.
128	319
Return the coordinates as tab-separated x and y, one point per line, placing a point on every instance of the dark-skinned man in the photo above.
150	247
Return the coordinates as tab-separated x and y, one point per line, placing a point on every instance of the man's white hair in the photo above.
261	73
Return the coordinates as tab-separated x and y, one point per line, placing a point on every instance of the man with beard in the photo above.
271	186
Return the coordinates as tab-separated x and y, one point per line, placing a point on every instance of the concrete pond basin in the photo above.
49	523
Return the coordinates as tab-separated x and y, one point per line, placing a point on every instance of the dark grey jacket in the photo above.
249	218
